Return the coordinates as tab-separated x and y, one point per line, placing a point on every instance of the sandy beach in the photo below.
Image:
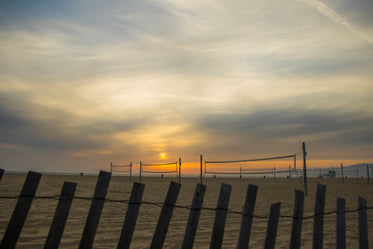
270	191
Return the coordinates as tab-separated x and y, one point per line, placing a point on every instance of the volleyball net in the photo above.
124	168
257	166
161	168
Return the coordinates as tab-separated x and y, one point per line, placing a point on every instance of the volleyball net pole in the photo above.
179	170
140	170
304	168
201	169
131	172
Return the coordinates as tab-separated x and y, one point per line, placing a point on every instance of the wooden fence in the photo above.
67	195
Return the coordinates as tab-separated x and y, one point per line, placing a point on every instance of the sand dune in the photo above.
270	191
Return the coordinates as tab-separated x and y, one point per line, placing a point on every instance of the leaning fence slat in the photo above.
274	216
60	217
95	210
220	216
318	222
363	224
247	218
165	216
131	216
195	211
296	231
1	173
21	210
341	224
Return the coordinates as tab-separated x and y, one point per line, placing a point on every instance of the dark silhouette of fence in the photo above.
67	195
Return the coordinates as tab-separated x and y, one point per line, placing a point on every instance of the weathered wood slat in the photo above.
1	173
21	210
318	221
195	211
95	210
363	224
274	216
60	217
341	224
165	216
220	216
247	218
131	216
296	231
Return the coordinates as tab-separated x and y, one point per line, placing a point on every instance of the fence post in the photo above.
343	178
60	217
318	222
220	216
195	211
341	223
1	173
363	224
247	217
296	232
95	210
21	210
165	216
274	216
131	216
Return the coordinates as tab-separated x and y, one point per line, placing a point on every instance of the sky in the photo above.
85	83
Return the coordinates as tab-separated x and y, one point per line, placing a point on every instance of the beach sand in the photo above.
270	191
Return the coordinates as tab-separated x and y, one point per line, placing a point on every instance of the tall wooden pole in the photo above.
179	170
140	170
305	168
368	172
201	170
131	172
343	177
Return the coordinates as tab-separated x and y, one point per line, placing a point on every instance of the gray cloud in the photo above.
127	79
277	131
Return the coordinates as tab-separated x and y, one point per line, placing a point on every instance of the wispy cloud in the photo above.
336	18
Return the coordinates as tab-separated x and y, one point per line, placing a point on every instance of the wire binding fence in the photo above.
188	207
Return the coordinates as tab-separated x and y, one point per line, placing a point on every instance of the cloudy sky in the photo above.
85	83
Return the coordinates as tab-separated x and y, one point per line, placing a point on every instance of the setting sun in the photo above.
162	156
